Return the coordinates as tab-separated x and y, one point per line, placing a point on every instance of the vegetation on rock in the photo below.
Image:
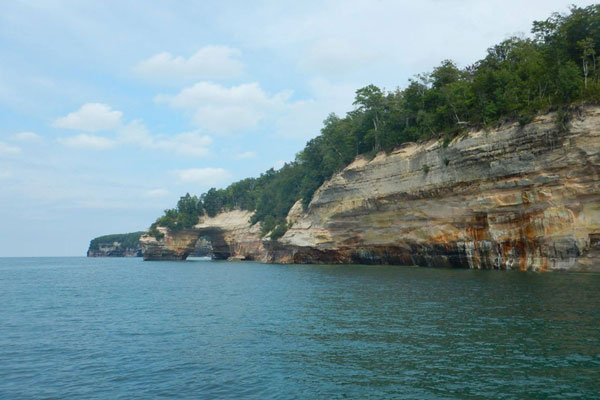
125	240
185	215
517	79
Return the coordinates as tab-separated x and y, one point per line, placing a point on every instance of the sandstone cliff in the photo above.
115	250
231	235
518	197
172	246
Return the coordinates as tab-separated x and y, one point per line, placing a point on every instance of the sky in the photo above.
110	110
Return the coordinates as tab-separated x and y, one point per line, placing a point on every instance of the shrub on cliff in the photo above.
279	231
189	208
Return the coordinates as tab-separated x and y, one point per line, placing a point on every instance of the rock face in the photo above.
518	197
514	198
232	236
172	246
115	250
230	233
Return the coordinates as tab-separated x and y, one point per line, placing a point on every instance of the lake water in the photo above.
83	328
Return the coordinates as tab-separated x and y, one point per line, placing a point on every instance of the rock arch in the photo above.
231	235
221	249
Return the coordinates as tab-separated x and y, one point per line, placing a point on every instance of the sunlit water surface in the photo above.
82	328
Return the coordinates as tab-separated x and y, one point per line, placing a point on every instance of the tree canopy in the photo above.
125	240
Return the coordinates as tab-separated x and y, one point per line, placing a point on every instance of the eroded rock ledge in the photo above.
513	198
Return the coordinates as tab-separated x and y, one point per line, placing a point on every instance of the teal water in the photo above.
82	328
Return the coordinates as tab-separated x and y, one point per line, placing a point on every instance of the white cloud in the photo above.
91	117
205	176
109	204
210	62
29	137
187	143
245	155
9	149
136	133
221	109
160	192
5	174
304	118
87	141
334	57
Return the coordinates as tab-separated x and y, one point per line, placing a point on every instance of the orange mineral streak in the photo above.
445	238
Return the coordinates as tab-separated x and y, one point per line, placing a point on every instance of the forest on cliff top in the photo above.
518	78
125	240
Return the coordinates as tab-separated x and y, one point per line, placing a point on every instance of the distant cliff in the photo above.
128	245
521	197
117	245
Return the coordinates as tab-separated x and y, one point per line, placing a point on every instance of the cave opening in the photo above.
211	244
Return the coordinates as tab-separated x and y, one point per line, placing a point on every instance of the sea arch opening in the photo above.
220	249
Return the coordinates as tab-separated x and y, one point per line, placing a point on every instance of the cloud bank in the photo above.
87	141
223	110
203	176
91	117
209	62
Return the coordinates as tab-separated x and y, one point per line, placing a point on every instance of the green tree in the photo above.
370	101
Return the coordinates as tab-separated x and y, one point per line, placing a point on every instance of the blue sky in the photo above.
111	110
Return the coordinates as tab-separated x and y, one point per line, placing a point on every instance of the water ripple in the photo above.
119	328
